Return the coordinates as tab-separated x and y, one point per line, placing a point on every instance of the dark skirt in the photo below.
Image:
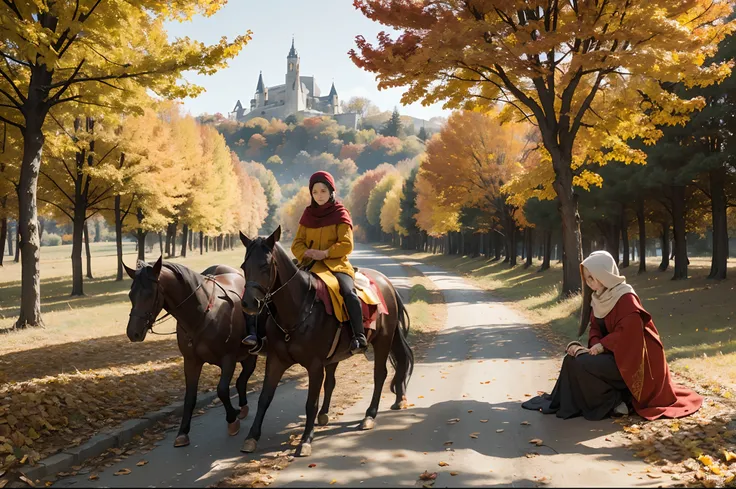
588	385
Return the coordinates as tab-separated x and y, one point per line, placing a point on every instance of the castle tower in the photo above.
261	92
294	96
334	102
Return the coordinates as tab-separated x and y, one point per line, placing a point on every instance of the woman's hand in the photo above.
315	254
597	349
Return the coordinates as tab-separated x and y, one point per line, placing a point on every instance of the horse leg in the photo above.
249	365
380	351
323	418
192	371
274	371
223	393
316	376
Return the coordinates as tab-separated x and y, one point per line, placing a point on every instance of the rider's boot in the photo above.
359	343
251	339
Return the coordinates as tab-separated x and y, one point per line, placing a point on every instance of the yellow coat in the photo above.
337	239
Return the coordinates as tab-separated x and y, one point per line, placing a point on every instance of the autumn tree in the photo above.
60	52
360	192
393	126
471	159
292	210
589	75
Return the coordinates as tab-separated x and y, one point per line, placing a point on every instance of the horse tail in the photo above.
401	354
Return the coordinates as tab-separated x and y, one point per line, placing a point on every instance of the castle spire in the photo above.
292	51
260	88
332	90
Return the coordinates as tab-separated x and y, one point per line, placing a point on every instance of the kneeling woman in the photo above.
625	361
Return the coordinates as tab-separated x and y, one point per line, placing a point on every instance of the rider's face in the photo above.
320	193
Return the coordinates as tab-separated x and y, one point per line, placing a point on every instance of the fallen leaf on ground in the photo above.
428	476
474	435
536	441
142	463
531	454
525	423
93	477
483	420
470	411
500	430
420	397
729	456
333	481
122	472
443	464
27	481
454	473
453	420
706	460
311	466
447	443
3	483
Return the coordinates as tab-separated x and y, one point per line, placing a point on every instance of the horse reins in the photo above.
268	297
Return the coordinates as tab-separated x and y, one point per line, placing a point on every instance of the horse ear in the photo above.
274	237
245	239
129	271
157	266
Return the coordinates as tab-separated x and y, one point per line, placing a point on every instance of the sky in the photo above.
324	32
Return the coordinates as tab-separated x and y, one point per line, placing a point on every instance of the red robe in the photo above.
639	354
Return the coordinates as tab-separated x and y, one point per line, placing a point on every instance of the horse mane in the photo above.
183	274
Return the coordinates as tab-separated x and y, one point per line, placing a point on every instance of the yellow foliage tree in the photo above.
87	52
292	211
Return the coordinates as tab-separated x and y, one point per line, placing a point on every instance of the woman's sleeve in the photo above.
344	245
594	337
299	246
629	327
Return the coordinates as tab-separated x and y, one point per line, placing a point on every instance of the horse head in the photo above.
146	298
259	267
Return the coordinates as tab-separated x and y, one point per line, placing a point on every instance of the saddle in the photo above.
372	301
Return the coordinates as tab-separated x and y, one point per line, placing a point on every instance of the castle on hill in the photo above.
299	96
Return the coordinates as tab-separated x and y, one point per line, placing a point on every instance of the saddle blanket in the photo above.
371	299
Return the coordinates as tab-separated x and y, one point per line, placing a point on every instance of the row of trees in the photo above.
598	80
158	172
61	62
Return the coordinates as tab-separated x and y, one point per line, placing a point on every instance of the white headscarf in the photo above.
602	267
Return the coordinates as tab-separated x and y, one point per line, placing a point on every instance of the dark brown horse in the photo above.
209	328
299	331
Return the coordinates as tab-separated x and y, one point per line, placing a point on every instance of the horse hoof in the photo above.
243	412
249	446
181	441
368	423
399	405
304	450
323	419
233	428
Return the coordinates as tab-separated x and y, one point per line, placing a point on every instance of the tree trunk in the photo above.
529	247
161	243
119	238
10	240
642	236
572	246
201	242
168	239
98	231
547	251
17	244
524	238
174	228
665	246
3	238
30	245
496	246
184	238
624	238
141	234
191	240
678	225
718	202
86	247
207	244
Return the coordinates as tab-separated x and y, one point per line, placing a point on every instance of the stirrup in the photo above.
258	348
250	341
357	346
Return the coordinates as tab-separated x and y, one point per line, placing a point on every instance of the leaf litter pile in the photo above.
696	451
98	389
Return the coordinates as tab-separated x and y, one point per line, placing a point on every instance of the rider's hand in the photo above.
596	349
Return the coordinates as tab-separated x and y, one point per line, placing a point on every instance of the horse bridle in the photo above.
268	296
